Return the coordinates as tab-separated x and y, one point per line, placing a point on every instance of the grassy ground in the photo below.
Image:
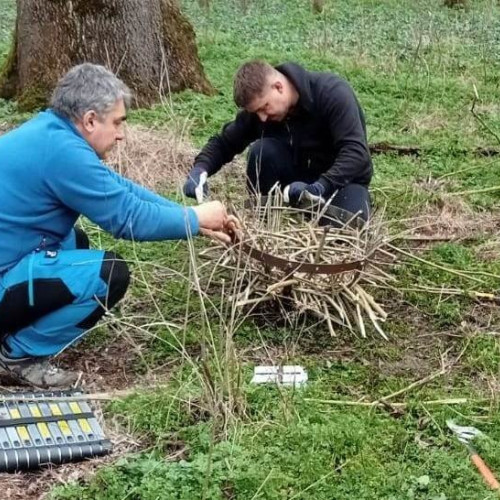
416	68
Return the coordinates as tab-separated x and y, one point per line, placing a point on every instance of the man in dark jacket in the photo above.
307	133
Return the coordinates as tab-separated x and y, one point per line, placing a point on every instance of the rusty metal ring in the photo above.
290	266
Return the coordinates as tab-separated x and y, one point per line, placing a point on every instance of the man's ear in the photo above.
278	85
89	121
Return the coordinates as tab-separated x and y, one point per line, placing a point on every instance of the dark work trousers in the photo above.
270	161
51	297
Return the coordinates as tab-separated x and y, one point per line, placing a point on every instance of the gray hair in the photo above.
88	87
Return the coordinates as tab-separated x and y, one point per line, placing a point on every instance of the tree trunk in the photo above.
149	44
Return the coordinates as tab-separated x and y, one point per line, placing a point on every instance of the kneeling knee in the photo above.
261	152
115	272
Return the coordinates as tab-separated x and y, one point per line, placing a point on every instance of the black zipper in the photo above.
289	132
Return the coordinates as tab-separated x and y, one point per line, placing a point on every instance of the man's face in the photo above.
103	132
273	104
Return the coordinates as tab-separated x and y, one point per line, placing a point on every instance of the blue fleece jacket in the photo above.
49	175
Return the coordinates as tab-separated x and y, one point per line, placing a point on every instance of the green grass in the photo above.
449	310
7	20
483	356
292	446
414	67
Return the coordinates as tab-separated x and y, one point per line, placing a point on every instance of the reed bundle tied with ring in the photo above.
317	234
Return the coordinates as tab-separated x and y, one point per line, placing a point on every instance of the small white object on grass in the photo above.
284	375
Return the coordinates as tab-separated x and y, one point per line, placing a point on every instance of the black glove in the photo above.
296	191
196	184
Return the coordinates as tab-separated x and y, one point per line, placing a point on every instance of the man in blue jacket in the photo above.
53	288
306	131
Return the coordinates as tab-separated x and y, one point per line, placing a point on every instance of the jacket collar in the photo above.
67	122
301	81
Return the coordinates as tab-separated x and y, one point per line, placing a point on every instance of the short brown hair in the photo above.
250	81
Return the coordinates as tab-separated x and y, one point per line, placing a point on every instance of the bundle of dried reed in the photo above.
316	259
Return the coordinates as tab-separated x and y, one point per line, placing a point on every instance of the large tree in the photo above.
148	43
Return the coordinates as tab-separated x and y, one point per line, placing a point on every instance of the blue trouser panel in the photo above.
270	161
51	297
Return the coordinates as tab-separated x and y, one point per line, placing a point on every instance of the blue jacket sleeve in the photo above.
143	193
79	180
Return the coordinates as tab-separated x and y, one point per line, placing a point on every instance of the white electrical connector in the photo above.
283	375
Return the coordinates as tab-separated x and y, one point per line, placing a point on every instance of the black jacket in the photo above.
326	130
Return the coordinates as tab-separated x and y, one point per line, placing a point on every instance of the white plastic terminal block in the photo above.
285	375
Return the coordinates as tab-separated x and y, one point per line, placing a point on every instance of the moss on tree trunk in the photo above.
148	43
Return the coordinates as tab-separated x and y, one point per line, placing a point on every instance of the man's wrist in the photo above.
193	220
326	186
200	167
318	188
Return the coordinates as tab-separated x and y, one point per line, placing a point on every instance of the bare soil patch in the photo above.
450	218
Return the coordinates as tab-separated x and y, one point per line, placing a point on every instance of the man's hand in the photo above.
196	184
232	225
215	222
211	215
297	191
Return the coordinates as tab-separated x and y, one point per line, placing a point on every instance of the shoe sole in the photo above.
24	381
15	376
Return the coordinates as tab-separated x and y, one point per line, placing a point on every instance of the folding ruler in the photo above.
38	428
